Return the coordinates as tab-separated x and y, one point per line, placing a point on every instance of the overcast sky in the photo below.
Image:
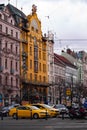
67	20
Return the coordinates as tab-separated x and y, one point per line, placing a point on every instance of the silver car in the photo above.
61	108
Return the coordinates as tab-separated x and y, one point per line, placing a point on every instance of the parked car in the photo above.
5	109
75	105
61	108
52	111
27	112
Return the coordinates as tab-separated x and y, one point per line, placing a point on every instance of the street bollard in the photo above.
31	114
46	115
1	115
62	115
16	114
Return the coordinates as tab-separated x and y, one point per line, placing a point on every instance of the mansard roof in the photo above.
1	6
17	14
64	60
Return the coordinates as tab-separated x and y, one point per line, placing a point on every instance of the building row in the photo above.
30	71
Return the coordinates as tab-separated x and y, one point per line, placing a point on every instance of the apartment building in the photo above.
9	57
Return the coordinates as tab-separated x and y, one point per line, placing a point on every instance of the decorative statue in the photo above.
34	9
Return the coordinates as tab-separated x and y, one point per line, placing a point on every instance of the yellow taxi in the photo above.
27	112
52	111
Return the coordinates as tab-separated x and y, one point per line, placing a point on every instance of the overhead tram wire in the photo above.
70	39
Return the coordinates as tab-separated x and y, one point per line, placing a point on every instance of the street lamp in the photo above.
71	89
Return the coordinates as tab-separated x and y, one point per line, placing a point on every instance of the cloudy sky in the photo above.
67	20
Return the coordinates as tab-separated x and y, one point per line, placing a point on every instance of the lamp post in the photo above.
71	89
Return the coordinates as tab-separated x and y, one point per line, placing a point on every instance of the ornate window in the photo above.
0	61
11	32
16	66
0	27
16	82
6	30
16	34
0	44
0	16
0	79
5	63
11	64
35	66
30	64
30	50
6	80
30	76
11	48
16	50
39	66
35	77
11	81
5	18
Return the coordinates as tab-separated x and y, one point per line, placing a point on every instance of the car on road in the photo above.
61	108
27	112
5	109
52	111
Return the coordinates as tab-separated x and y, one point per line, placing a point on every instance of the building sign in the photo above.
68	92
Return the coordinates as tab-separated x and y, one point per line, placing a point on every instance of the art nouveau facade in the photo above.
9	57
35	78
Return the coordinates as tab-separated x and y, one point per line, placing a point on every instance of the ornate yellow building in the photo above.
34	76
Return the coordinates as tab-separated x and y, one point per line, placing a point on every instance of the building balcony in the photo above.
34	82
24	67
3	34
6	50
24	41
7	87
24	54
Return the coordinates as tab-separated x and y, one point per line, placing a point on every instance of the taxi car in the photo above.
52	111
27	112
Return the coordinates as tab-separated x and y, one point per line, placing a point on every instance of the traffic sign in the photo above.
68	92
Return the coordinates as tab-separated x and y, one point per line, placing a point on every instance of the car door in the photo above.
40	107
23	111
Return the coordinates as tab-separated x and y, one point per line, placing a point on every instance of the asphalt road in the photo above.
42	124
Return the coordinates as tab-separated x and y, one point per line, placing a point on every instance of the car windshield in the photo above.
47	106
33	107
60	106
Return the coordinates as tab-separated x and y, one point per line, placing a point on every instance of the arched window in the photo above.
16	82
0	28
6	80
0	16
35	40
11	81
30	50
11	21
11	48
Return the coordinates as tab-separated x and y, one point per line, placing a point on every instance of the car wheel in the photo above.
35	116
14	116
